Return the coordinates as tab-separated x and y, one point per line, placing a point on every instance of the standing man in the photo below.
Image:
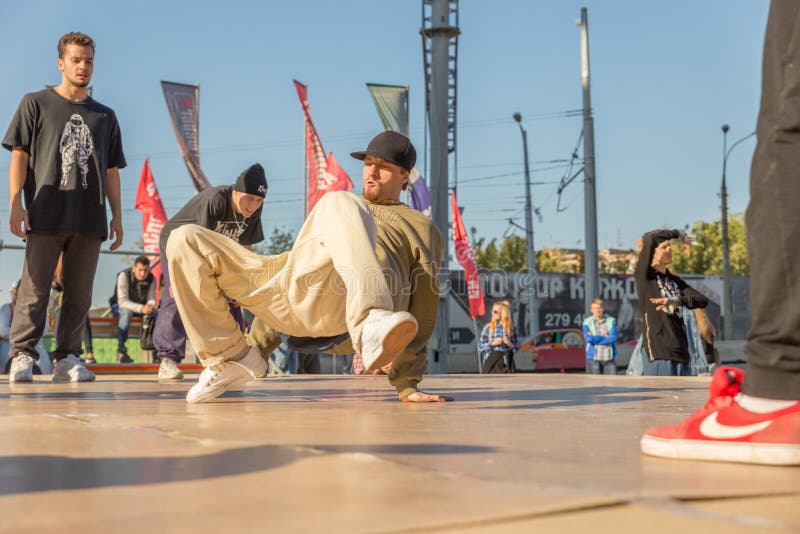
600	333
66	152
233	211
364	267
134	296
662	298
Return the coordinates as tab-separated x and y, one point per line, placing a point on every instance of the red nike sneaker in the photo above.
723	431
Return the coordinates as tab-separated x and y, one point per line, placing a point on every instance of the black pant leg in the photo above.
773	216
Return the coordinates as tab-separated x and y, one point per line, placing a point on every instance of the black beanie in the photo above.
252	181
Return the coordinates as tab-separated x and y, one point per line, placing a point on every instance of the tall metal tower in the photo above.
440	53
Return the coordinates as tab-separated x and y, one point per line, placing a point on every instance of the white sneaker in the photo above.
168	370
21	368
70	369
217	379
384	335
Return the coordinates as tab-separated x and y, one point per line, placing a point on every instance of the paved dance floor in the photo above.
514	453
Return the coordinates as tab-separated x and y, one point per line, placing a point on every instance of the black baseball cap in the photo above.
252	181
391	146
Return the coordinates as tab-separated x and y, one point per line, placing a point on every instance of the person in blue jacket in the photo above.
600	332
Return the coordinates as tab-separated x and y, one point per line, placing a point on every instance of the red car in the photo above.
560	349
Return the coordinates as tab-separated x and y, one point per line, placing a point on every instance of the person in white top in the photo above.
134	296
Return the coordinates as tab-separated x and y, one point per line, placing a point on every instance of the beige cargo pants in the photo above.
324	286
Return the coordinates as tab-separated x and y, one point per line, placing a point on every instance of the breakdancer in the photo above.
366	267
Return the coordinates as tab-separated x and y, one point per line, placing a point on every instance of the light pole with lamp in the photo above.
727	293
533	310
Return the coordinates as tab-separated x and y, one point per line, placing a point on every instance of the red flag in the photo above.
153	215
324	174
466	257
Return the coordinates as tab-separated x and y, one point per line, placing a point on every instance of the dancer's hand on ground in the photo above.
421	396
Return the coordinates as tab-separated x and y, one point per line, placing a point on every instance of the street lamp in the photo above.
533	311
727	311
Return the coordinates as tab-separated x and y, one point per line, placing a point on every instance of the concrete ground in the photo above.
514	453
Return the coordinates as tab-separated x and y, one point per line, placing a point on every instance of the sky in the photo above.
665	77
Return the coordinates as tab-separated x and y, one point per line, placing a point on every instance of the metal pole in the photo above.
3	246
439	35
592	280
530	252
727	305
477	344
727	288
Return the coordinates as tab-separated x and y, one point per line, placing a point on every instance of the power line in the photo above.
516	173
288	143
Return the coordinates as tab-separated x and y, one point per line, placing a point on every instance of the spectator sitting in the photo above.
600	332
134	296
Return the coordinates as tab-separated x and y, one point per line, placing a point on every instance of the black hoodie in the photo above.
664	333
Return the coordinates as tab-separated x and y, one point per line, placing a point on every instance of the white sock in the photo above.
762	405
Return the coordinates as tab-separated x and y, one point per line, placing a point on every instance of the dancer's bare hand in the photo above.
421	396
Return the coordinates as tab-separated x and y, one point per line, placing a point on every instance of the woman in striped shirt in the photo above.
499	341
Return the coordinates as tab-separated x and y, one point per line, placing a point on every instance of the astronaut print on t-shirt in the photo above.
76	148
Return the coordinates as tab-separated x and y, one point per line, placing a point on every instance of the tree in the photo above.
547	262
703	257
280	241
512	255
487	258
617	265
705	254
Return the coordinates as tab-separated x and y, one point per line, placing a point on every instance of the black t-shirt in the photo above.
70	145
212	208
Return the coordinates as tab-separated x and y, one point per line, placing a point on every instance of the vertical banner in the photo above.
324	173
466	257
183	104
391	101
153	215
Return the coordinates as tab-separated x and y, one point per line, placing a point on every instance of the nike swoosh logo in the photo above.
713	429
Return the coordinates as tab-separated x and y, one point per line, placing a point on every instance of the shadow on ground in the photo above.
28	474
